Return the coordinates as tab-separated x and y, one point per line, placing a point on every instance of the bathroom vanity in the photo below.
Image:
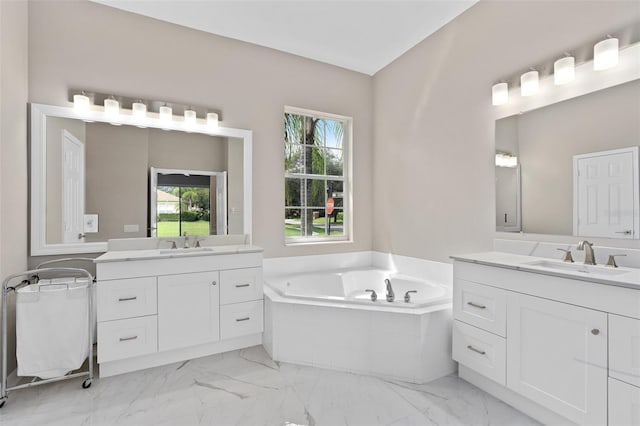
161	306
556	340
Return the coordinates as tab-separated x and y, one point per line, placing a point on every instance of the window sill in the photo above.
317	242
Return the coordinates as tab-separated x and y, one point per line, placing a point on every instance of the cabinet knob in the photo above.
595	331
213	283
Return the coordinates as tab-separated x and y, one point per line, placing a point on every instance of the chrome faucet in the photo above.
390	295
589	257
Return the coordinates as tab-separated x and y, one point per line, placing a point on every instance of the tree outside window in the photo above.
316	149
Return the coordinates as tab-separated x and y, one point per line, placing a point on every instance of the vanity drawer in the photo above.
240	285
240	319
624	349
127	338
624	404
480	305
127	298
481	351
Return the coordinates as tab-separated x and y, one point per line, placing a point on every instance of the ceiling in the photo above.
359	35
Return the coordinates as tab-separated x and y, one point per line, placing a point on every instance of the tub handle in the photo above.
374	296
407	296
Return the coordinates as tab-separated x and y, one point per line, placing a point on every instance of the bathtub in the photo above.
349	286
328	320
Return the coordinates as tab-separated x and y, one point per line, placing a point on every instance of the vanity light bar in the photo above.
121	110
605	56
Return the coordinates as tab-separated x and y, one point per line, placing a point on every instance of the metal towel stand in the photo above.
33	278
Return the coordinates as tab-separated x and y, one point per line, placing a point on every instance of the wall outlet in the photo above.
132	228
90	223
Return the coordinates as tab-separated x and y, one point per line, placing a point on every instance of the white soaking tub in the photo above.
350	286
327	319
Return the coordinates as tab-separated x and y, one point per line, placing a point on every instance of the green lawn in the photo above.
293	229
171	229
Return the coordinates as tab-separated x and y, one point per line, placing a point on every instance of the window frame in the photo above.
346	178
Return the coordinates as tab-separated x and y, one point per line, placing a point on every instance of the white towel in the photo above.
52	334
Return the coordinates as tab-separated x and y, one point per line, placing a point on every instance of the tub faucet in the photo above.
390	295
589	257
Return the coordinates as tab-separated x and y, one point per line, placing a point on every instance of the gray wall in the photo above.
434	122
74	45
13	147
117	179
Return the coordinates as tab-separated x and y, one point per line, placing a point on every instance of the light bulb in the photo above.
111	107
166	113
190	116
81	102
564	70
529	83
139	110
500	94
605	54
212	119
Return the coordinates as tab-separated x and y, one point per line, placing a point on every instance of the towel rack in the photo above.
33	276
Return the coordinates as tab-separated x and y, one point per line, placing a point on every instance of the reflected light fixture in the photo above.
605	54
139	110
529	83
81	102
166	113
111	107
564	70
504	159
212	119
500	94
190	116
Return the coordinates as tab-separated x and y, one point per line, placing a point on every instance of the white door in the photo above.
72	189
606	194
557	357
188	310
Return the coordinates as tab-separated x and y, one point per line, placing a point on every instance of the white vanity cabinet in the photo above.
561	349
557	356
188	310
155	309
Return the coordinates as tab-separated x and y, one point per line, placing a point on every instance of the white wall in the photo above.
434	122
90	46
13	147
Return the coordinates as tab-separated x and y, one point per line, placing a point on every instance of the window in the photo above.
316	175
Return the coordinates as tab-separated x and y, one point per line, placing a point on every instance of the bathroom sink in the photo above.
187	250
577	267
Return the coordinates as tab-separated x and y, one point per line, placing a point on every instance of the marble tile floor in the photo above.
246	387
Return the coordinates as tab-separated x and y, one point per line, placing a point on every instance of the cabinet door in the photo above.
557	356
624	404
188	310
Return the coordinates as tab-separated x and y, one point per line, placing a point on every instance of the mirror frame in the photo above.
586	81
38	146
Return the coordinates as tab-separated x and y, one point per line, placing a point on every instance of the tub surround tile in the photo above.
276	266
439	272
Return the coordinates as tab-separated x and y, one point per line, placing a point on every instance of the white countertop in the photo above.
601	274
133	255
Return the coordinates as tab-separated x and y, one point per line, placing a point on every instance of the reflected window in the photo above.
316	153
188	202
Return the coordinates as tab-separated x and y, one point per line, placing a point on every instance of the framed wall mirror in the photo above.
562	174
557	196
92	179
